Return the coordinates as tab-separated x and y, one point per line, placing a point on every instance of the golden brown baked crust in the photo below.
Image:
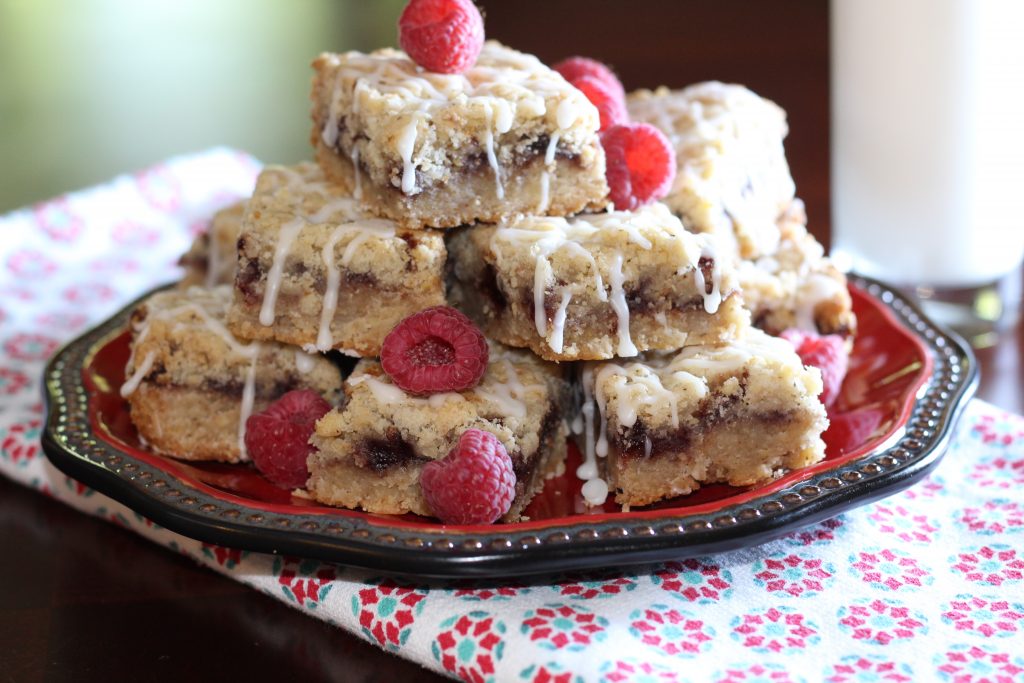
315	271
188	378
609	284
509	137
371	450
737	413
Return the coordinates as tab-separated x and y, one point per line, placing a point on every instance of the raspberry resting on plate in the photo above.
278	438
473	484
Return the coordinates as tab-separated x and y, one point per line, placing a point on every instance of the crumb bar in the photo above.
211	259
370	451
315	271
191	384
510	136
732	177
797	286
738	413
596	286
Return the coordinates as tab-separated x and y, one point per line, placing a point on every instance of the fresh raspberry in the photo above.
278	438
827	353
574	68
640	164
473	484
610	105
438	349
444	36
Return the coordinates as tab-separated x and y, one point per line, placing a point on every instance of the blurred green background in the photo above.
93	88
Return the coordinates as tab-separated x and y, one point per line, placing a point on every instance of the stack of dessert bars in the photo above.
628	330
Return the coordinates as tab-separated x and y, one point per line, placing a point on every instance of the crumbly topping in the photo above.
511	402
420	123
732	173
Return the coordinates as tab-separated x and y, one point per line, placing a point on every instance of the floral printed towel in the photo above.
925	585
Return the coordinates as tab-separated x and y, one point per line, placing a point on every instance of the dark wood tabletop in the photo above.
83	600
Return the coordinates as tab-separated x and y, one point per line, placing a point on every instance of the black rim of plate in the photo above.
503	550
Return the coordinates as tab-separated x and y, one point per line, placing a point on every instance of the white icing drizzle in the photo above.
595	489
504	87
358	191
626	348
712	299
248	399
558	323
545	177
406	145
388	394
284	243
580	235
492	159
509	396
815	288
129	387
363	230
220	297
304	362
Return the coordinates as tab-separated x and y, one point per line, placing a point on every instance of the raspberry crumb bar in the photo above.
732	177
797	286
737	413
370	451
317	272
191	384
507	137
211	259
597	286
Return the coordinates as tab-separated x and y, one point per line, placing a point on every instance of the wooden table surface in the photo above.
83	600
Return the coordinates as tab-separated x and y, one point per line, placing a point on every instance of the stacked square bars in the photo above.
486	191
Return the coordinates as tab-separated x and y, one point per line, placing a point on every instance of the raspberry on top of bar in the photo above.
597	286
736	413
509	136
732	177
314	270
371	450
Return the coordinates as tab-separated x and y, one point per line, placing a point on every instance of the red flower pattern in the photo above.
387	611
559	626
30	347
855	668
818	533
306	582
694	580
987	617
793	574
671	631
880	621
626	671
992	564
889	569
993	517
903	524
470	645
777	629
21	442
984	664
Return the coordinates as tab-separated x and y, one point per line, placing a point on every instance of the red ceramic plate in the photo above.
907	382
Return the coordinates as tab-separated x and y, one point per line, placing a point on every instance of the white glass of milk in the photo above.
928	150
